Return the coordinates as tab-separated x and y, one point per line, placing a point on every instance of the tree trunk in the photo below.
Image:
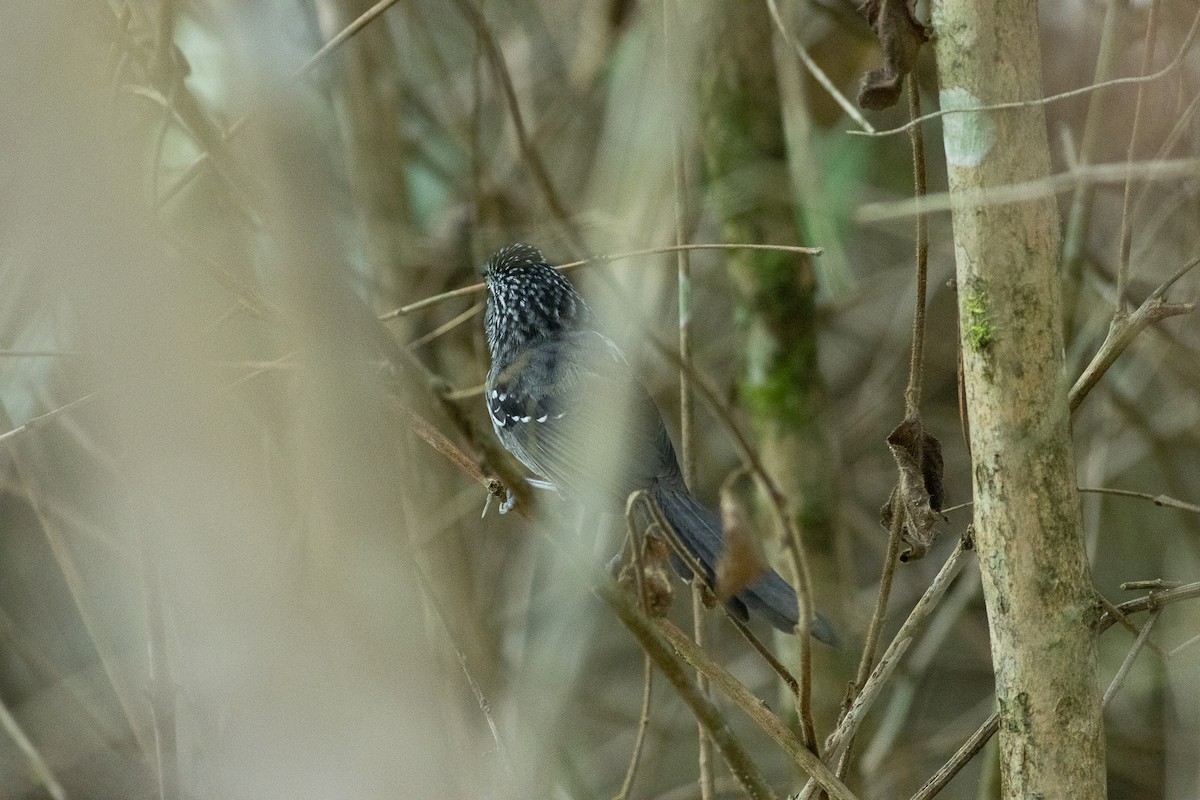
775	293
1040	602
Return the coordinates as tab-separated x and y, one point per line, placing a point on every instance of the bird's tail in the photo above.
699	531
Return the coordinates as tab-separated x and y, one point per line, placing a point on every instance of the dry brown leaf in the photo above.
901	35
920	491
742	563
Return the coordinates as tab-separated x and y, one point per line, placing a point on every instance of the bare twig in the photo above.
754	708
1187	591
38	765
792	546
1123	331
1125	622
1184	646
643	725
871	689
476	288
444	328
875	628
819	74
1125	239
1079	217
660	651
1119	678
528	151
687	411
162	685
1152	601
1155	584
194	169
1158	170
485	707
912	402
33	423
639	577
1157	499
964	754
440	442
893	720
912	395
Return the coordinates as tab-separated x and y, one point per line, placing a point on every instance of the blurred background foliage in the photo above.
231	565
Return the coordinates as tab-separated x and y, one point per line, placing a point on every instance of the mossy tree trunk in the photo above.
1040	602
775	293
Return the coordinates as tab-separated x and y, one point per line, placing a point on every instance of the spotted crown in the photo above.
528	300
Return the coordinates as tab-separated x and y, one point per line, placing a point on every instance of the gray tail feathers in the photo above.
699	531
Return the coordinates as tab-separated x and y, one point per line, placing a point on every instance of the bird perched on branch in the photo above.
558	387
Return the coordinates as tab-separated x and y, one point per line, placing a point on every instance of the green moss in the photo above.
980	330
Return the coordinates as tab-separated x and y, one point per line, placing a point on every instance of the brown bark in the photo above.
1036	580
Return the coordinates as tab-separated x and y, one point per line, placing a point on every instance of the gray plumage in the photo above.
552	381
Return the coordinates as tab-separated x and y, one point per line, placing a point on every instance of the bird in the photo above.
553	380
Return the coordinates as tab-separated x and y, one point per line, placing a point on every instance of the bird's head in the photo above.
528	300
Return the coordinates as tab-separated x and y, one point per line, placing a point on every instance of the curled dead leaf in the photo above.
742	563
901	35
919	491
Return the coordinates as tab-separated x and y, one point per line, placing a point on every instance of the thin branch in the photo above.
912	395
1184	646
1125	622
485	707
1174	169
792	545
1162	73
756	710
964	754
660	651
904	637
639	577
350	30
1158	499
875	628
1123	331
1079	217
528	151
1127	664
1155	585
1152	601
1183	125
42	419
687	409
893	720
643	725
444	328
819	74
1125	239
162	685
476	288
912	402
38	765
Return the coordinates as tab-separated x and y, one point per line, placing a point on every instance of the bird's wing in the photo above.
572	411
